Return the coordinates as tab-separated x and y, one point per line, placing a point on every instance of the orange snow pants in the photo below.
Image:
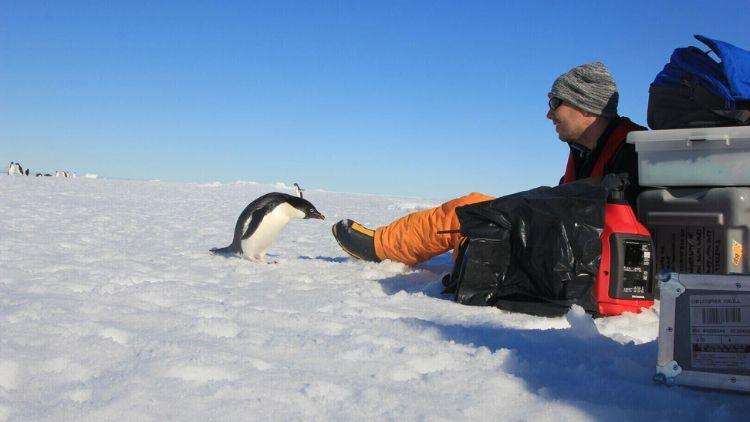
414	238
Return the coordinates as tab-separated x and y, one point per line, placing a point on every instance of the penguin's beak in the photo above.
317	215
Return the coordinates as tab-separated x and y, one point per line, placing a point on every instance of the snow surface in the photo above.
112	308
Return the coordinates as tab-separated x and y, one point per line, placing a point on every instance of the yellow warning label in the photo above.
737	251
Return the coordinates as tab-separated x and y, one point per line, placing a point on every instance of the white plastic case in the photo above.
717	156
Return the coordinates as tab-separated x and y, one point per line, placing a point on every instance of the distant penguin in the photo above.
14	169
298	190
262	220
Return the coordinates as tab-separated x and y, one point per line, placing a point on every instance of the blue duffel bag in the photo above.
694	90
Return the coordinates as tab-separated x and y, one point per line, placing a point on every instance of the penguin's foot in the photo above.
356	240
261	260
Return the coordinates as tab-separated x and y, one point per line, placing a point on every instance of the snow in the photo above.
112	308
411	206
582	325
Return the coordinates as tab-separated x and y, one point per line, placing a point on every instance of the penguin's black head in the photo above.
306	207
313	213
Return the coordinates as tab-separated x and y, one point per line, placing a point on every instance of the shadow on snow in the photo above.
338	259
426	279
592	374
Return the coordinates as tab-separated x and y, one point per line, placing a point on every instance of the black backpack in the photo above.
693	90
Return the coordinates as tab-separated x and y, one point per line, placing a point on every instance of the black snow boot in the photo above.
356	240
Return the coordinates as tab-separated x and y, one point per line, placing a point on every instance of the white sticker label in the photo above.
720	331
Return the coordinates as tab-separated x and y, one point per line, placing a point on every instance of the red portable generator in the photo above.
625	282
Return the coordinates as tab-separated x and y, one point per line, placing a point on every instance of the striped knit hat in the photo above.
589	87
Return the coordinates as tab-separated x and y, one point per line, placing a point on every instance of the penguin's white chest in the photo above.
255	246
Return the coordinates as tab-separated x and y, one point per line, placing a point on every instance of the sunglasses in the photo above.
554	102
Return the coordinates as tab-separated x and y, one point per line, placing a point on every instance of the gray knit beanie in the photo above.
589	87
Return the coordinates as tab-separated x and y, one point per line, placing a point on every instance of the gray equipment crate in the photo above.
698	230
704	331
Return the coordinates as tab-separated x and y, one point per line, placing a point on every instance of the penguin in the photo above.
15	168
261	222
298	190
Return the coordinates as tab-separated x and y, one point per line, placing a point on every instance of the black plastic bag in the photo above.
536	251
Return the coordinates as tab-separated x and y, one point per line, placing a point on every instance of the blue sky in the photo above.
430	99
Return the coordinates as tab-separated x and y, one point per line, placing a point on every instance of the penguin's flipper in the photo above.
256	219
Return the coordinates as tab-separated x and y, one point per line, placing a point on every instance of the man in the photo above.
583	108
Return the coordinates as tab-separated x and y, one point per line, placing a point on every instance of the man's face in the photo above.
570	121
